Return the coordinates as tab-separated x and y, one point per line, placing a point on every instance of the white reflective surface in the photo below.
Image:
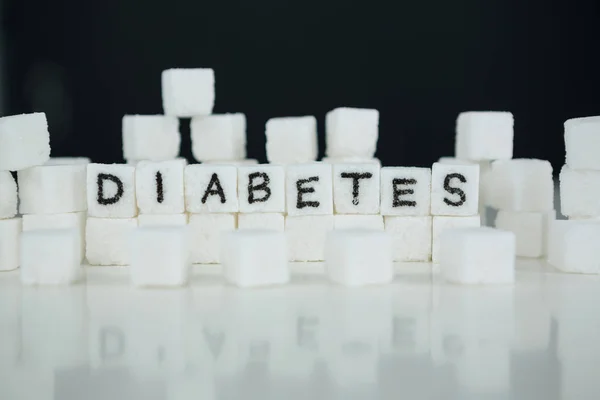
418	338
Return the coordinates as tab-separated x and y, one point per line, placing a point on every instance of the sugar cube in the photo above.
477	256
219	137
68	161
261	188
162	219
370	222
50	257
405	191
411	237
254	258
111	191
442	223
262	221
107	240
159	187
159	256
24	141
291	140
75	221
356	188
235	163
8	195
306	236
188	92
150	137
309	189
359	257
521	185
530	229
351	132
52	189
579	192
350	160
10	232
573	246
454	189
582	143
211	188
205	232
484	135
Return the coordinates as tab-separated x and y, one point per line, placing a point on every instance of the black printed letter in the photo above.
454	190
111	200
399	192
218	189
356	177
264	186
302	190
160	195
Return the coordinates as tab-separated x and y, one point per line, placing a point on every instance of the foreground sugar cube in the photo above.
219	137
582	143
206	232
162	219
255	258
159	256
291	140
24	141
309	189
159	187
351	132
188	92
50	257
306	236
356	188
405	191
359	257
530	229
52	189
573	246
111	191
107	240
211	188
411	237
261	188
579	192
262	221
521	185
8	195
370	222
478	256
74	221
443	223
454	189
10	233
150	137
484	135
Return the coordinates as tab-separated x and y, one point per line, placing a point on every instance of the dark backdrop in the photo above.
88	62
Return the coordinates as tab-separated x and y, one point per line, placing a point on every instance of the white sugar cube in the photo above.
454	189
107	240
188	92
291	140
24	141
111	191
405	191
159	256
68	161
219	137
262	221
356	188
206	231
306	236
573	246
50	257
75	221
162	219
411	237
370	222
52	189
579	192
359	257
521	185
235	163
486	135
150	137
261	188
478	256
10	233
352	132
254	258
351	160
159	187
8	195
211	188
309	189
530	229
441	223
582	142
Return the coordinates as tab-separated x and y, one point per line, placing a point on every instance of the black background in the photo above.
86	63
